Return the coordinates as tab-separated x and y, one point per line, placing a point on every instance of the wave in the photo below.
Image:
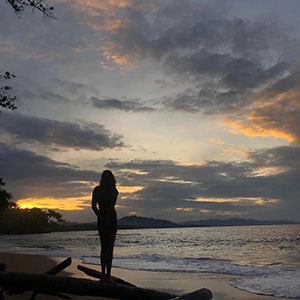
271	279
148	251
267	280
285	283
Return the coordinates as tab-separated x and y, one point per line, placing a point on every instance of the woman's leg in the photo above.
103	255
110	249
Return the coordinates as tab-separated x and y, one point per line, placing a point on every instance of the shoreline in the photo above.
174	282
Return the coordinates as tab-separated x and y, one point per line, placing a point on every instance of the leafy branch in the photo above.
20	5
6	100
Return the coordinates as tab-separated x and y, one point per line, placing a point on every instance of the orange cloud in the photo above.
107	16
137	172
111	52
188	164
99	8
256	127
220	212
184	208
105	67
267	171
232	151
275	114
205	211
129	189
216	141
255	200
104	15
132	213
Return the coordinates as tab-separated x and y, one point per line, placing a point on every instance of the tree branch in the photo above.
6	100
20	5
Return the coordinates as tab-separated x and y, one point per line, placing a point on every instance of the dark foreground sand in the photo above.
177	283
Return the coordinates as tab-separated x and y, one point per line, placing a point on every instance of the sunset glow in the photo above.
74	203
152	135
253	128
193	105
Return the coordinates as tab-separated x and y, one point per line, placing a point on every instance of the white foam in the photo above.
148	252
286	283
266	280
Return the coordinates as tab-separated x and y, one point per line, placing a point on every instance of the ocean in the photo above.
265	259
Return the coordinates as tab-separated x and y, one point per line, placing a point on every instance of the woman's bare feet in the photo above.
108	279
102	278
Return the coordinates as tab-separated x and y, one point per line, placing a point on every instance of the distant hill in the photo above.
142	222
234	222
134	222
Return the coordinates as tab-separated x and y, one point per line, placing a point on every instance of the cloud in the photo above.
124	105
197	41
208	100
231	73
29	175
83	135
201	43
34	38
70	86
243	65
53	90
287	83
286	158
275	113
233	65
227	60
273	120
263	186
40	93
163	83
216	141
195	30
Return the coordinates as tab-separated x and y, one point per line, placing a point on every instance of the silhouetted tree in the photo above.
5	198
28	220
18	6
53	215
6	100
40	5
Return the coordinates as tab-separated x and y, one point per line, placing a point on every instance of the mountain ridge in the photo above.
137	222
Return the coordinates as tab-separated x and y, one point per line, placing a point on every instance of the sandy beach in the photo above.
39	264
174	282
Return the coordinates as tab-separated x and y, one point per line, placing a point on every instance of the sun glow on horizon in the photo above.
71	203
68	203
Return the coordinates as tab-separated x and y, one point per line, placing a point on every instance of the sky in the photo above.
194	105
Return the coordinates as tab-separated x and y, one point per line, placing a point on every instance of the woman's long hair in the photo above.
108	180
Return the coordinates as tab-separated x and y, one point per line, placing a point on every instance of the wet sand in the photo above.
173	282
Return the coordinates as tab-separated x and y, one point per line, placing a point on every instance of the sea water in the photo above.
265	259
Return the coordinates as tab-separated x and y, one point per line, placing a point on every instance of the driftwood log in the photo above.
84	287
53	271
1	293
196	295
202	294
60	267
97	274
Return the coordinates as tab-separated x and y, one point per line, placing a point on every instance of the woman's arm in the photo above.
94	204
115	198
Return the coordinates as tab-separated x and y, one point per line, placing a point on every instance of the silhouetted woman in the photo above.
103	204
